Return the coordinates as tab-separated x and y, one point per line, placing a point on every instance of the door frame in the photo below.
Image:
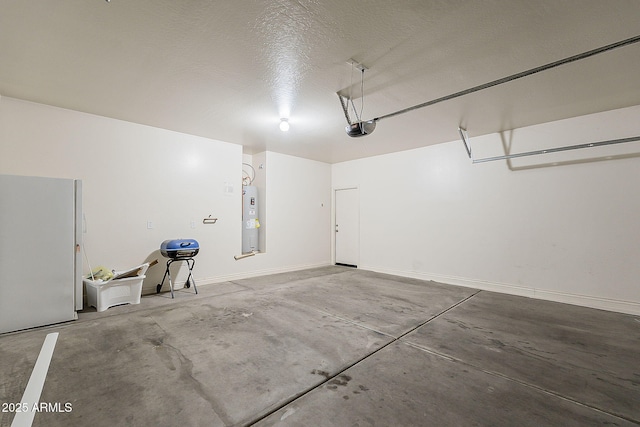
334	219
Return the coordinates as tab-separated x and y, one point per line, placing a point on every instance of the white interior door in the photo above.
347	229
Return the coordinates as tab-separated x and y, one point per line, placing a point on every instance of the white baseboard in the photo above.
627	307
256	273
204	281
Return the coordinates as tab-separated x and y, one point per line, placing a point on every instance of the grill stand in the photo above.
190	263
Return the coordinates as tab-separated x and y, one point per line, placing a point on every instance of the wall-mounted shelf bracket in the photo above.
209	220
465	140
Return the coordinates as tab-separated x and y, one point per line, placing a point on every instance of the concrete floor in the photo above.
334	347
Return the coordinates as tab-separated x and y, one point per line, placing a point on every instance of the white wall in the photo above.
567	232
133	174
558	226
294	212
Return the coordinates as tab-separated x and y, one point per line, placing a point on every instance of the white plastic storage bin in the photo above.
128	290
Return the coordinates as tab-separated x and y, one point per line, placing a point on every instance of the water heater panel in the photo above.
250	223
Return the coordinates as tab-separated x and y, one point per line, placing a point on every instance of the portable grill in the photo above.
179	250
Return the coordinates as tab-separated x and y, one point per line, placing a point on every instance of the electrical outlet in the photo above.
193	224
228	188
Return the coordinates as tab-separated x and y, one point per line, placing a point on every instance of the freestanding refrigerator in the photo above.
40	252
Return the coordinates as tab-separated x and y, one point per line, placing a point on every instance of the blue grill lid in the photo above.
179	248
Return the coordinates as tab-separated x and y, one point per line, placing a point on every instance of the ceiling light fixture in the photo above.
284	125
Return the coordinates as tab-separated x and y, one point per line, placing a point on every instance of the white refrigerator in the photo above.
40	251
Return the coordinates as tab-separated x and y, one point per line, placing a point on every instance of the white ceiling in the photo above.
229	70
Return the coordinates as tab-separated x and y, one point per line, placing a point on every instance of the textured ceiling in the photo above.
229	70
